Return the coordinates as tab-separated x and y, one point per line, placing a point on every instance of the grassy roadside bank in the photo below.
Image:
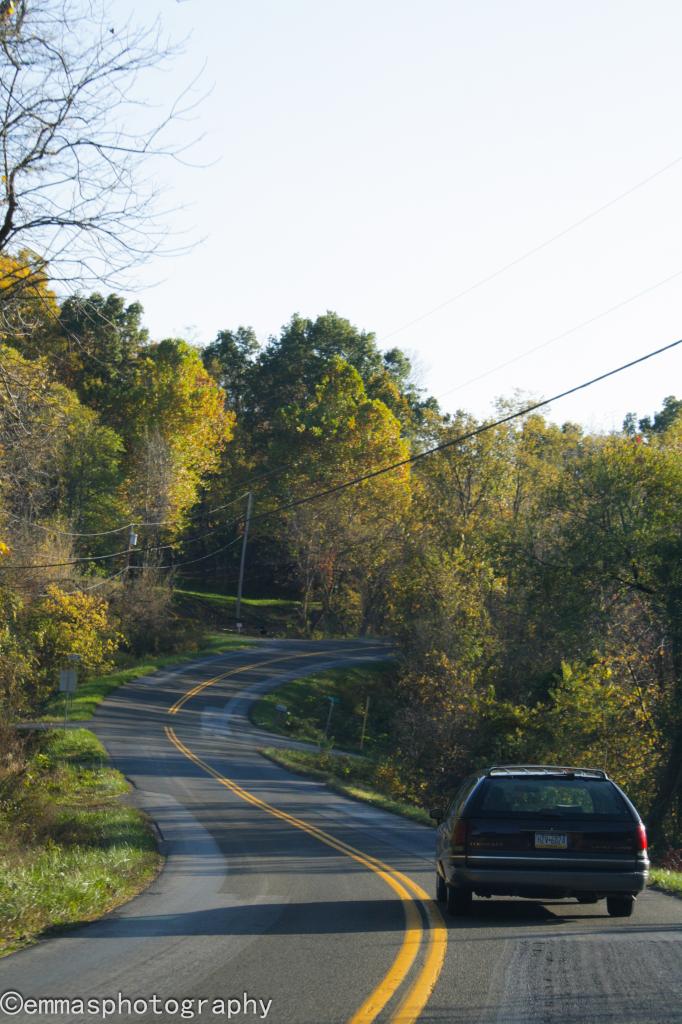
354	777
93	692
667	881
307	702
277	616
71	849
370	775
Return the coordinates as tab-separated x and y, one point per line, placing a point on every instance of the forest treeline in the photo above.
530	575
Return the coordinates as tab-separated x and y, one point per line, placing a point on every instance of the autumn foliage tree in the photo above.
340	542
177	425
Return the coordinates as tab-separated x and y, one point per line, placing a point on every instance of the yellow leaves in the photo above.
4	548
75	623
21	271
175	401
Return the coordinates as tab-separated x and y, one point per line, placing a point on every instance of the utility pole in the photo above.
364	724
249	507
332	702
132	544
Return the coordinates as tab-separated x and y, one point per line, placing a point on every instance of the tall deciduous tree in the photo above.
230	360
177	425
620	546
74	138
57	460
341	543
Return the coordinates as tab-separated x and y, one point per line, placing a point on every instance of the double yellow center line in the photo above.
200	687
411	895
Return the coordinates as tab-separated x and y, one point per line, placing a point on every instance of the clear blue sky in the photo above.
378	158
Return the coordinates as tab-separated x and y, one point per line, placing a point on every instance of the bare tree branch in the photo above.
75	134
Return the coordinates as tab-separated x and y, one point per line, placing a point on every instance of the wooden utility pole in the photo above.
249	507
364	724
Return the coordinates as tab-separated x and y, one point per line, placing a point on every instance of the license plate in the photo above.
551	841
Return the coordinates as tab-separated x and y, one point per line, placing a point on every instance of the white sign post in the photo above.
68	680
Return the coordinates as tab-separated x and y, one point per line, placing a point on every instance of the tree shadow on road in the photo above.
327	917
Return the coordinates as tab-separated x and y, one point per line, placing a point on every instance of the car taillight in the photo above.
459	836
641	840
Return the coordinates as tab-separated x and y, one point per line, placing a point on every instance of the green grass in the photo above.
354	777
277	616
307	706
91	693
71	851
669	881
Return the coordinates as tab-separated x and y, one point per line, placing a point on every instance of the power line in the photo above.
116	554
560	337
100	583
535	249
66	533
136	524
354	481
73	561
463	437
191	561
125	526
59	581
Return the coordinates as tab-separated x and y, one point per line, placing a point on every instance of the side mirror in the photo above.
437	814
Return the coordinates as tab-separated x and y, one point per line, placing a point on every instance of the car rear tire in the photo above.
459	901
620	906
441	889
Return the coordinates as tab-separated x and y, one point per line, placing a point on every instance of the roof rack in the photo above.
545	769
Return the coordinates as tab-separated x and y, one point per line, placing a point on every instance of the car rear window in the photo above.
549	797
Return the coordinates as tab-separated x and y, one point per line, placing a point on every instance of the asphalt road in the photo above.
314	905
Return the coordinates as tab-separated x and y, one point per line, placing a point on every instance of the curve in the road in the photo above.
196	690
412	896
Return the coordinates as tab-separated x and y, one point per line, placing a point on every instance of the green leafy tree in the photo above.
230	361
90	473
96	344
339	543
177	425
622	544
672	409
57	460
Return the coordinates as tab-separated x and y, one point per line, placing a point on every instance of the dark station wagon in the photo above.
543	832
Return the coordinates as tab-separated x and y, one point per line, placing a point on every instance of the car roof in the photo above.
543	771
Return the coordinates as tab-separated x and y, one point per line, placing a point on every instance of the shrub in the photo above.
672	860
61	624
143	608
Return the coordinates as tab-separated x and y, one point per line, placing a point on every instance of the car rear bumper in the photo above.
500	881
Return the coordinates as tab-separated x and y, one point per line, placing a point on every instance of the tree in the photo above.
33	413
74	138
341	543
176	427
230	359
62	624
95	344
607	565
28	306
60	468
291	366
90	474
672	408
